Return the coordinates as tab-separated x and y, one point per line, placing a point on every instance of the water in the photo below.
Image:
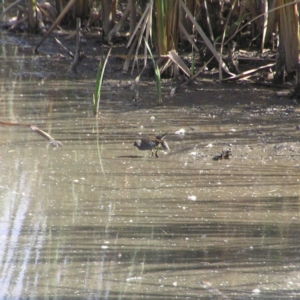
98	219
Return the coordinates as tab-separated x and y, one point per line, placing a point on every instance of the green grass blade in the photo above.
98	83
99	80
157	75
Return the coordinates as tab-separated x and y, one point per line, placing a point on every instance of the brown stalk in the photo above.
60	44
288	34
118	26
187	36
248	73
206	39
223	38
57	21
34	128
259	16
10	7
265	25
174	57
209	23
77	51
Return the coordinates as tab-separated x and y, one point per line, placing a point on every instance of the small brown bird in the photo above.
150	143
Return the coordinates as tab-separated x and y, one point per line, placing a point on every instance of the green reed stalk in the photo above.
99	79
157	75
161	36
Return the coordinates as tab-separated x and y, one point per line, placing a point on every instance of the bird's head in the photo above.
137	144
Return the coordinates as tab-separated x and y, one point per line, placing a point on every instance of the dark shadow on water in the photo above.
130	156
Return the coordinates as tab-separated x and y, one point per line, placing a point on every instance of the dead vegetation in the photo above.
255	41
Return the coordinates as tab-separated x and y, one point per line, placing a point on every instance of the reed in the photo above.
99	80
192	69
157	75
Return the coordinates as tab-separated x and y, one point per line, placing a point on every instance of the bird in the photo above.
152	143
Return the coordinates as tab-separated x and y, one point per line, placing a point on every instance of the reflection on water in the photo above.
98	219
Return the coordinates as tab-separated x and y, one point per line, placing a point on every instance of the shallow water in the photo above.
98	219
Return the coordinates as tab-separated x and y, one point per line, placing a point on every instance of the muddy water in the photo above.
98	219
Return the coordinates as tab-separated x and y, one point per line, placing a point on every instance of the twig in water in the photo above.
52	141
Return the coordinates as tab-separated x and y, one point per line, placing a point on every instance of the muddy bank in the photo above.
241	109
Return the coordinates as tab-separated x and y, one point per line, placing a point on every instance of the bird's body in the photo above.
152	143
